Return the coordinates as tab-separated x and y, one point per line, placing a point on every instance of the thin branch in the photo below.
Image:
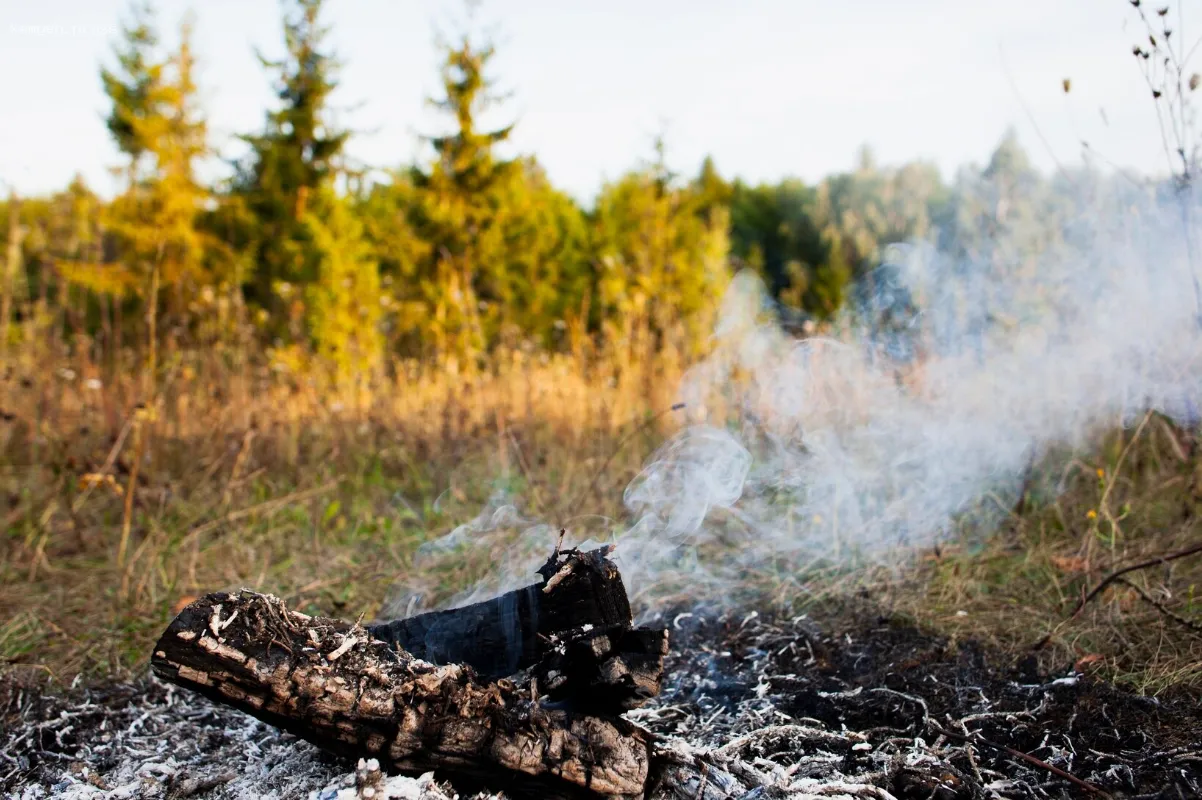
1111	578
976	738
592	487
1031	118
1161	607
268	505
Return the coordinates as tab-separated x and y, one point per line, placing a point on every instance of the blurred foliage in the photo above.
473	248
483	323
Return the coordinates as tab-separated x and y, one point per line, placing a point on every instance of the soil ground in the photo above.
769	686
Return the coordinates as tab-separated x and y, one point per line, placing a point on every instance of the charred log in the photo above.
499	637
604	670
331	683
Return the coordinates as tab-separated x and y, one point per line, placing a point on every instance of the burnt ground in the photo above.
871	708
898	688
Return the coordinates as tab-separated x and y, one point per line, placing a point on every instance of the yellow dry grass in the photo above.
270	479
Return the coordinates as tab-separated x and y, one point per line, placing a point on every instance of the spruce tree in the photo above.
775	230
132	84
160	128
343	302
460	202
541	282
661	265
293	159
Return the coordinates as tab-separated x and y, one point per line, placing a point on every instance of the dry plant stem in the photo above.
976	738
111	459
266	505
527	475
1118	466
128	511
239	460
152	336
644	425
141	432
1020	506
1111	578
1159	606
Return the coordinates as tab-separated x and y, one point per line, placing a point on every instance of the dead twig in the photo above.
1020	506
108	465
127	516
644	425
267	505
1159	606
239	461
1111	578
978	739
558	577
342	649
527	475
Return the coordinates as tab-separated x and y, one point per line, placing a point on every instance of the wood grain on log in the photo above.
333	684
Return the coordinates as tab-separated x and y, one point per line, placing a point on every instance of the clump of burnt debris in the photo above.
752	705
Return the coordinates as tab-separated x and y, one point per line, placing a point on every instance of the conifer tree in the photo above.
710	189
661	265
343	302
542	283
132	85
460	195
293	159
386	210
774	230
161	130
12	266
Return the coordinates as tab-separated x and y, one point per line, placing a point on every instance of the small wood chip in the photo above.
342	649
225	623
215	620
558	577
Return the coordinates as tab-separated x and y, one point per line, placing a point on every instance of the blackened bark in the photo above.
331	683
502	636
604	670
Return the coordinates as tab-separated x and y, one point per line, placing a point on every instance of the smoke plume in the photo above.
961	360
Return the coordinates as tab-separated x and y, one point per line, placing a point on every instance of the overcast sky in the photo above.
768	87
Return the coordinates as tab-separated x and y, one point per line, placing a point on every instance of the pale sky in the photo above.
768	87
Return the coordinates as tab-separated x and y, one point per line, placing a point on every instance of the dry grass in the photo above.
1133	498
252	477
257	477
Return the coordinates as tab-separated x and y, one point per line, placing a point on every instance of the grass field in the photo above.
239	475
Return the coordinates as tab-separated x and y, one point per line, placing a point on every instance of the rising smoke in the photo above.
967	355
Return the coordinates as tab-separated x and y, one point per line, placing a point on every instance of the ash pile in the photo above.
551	691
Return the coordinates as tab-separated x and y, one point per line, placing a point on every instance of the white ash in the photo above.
737	713
156	741
368	782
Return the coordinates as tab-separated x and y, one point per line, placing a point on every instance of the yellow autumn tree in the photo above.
157	124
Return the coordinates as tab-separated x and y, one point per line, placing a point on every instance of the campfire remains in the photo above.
858	707
573	629
521	692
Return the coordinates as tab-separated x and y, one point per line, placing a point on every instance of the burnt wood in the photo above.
333	684
603	670
509	633
329	682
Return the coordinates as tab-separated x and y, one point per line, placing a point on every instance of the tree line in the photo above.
452	257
